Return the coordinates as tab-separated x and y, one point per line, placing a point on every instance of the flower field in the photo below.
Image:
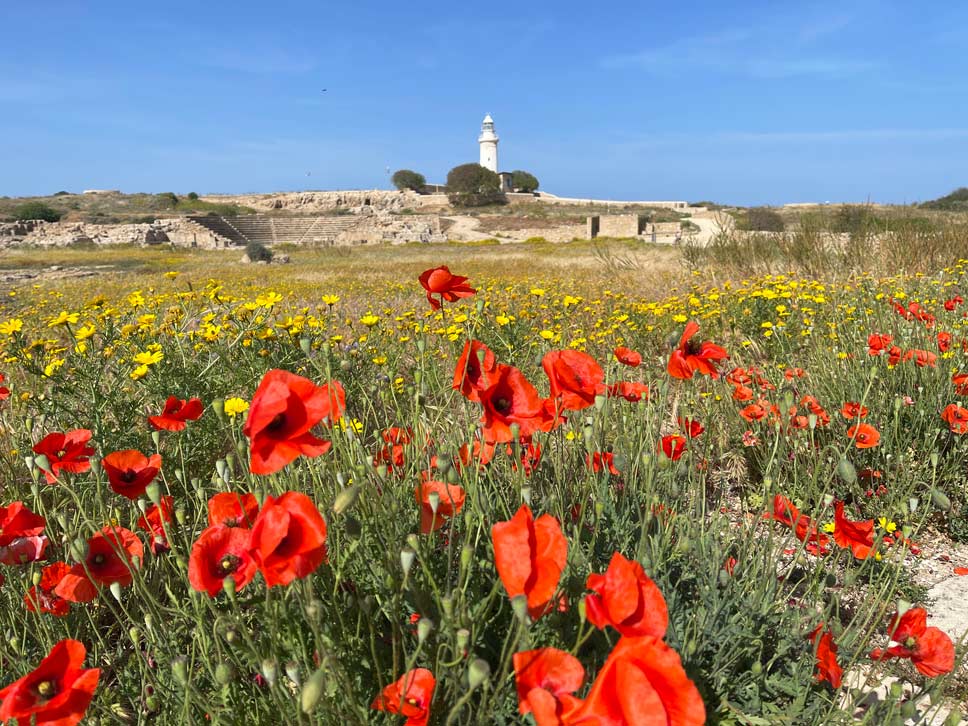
469	491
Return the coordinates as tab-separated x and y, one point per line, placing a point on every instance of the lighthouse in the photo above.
488	141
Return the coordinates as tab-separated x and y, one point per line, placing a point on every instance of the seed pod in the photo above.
224	673
179	669
346	499
846	471
313	690
940	500
478	672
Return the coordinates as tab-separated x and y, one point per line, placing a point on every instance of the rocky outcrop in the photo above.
179	232
323	202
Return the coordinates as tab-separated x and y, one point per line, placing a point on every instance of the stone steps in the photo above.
274	230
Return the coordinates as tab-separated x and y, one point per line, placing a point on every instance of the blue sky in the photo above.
747	102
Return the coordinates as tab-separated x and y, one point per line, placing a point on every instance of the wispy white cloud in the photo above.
772	49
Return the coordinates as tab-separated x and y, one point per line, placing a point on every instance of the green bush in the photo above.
193	196
955	201
258	252
523	181
168	199
36	210
472	185
763	219
406	179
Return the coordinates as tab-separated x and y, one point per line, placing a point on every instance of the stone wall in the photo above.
619	225
321	202
378	228
181	232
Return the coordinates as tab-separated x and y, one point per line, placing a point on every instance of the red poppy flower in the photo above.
803	526
530	556
449	501
21	535
791	373
155	521
232	510
691	427
473	369
575	378
811	403
602	460
55	693
960	381
410	696
111	555
625	598
41	597
853	410
930	650
4	391
944	342
864	435
858	537
878	343
673	446
742	393
828	669
642	676
65	452
630	391
894	354
544	676
628	357
738	377
220	552
176	413
692	356
952	303
130	472
509	400
439	281
284	409
755	411
288	538
956	417
922	358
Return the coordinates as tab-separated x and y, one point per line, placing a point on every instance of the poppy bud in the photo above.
424	626
812	421
954	718
135	634
913	504
895	690
413	541
79	549
224	673
115	589
42	462
828	500
313	690
940	500
407	556
526	495
346	499
902	607
218	405
934	459
222	470
466	557
519	604
152	704
313	609
292	671
14	643
345	365
908	711
478	672
149	621
180	515
756	668
381	471
599	401
433	501
36	577
582	611
306	345
156	439
35	490
154	493
846	471
270	671
179	668
463	637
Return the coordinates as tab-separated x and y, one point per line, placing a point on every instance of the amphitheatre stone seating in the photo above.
272	230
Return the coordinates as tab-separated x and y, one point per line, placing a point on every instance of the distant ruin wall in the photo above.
378	228
180	232
322	202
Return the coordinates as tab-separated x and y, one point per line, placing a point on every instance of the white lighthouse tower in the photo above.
488	141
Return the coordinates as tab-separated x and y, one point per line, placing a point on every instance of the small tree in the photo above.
407	179
524	181
472	185
36	210
193	196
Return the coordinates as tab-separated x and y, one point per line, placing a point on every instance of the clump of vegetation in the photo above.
258	252
472	185
523	181
193	196
36	211
764	219
956	201
407	179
